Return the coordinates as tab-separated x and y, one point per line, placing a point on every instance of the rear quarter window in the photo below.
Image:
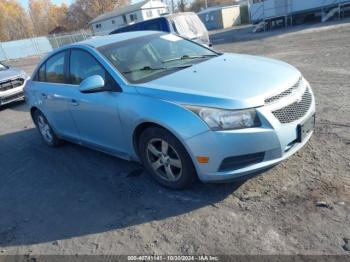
41	75
55	68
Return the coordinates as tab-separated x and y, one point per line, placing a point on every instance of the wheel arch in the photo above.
142	127
32	111
147	124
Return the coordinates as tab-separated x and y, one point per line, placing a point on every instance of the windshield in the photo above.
2	67
150	57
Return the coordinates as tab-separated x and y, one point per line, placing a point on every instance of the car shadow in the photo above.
48	194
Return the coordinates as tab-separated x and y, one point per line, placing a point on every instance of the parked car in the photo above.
186	24
182	109
12	81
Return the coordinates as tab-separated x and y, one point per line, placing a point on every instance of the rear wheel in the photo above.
166	159
45	129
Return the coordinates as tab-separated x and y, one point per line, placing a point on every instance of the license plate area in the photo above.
305	128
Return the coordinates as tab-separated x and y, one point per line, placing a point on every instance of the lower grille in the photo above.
11	98
296	110
238	162
9	84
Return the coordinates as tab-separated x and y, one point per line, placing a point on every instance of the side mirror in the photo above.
92	84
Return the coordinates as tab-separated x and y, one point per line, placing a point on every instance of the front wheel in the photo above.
166	159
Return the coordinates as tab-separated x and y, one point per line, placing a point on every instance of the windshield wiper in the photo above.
148	68
184	57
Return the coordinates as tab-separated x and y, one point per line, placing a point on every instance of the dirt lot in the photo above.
73	200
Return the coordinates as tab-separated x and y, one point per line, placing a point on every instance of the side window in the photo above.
55	68
133	17
83	65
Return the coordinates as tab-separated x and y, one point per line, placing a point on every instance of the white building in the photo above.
130	14
267	9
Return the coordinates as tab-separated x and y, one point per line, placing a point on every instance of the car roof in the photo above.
140	23
99	41
162	17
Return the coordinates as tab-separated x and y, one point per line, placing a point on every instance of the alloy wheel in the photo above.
164	160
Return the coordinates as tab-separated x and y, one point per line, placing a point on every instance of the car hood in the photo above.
228	81
11	73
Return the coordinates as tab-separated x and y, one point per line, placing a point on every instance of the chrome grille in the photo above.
285	93
9	84
296	110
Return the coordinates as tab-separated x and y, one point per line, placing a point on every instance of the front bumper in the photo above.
274	140
12	95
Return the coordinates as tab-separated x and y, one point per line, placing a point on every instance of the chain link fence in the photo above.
59	40
38	46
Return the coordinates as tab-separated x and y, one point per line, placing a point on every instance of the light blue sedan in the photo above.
182	109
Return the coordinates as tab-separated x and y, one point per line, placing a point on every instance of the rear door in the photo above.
95	114
54	94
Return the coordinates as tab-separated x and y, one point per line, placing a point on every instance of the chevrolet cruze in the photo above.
180	108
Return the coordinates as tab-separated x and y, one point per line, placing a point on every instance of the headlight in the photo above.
219	119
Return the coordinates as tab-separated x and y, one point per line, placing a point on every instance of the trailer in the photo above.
267	14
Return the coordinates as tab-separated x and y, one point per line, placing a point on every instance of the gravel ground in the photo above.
73	200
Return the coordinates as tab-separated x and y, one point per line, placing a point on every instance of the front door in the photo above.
95	114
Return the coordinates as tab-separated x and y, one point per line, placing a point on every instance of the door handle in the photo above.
74	102
43	95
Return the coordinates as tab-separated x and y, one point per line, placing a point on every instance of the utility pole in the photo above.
172	6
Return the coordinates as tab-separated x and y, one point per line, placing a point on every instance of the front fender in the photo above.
136	109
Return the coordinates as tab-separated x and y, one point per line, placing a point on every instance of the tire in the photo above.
166	159
45	130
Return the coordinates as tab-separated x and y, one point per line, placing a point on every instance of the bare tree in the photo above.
43	16
181	5
82	12
46	16
14	22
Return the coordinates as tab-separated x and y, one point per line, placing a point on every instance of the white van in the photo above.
186	24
